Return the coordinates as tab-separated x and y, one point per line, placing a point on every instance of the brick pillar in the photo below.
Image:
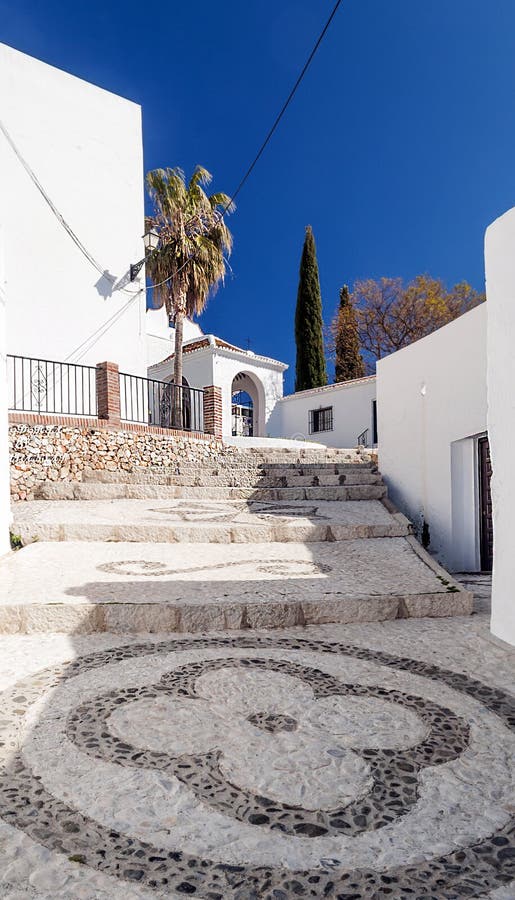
213	411
108	392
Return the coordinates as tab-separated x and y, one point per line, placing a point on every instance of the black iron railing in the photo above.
46	386
161	403
363	438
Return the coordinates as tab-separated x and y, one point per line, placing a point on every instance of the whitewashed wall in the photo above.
219	366
5	515
500	286
431	400
267	377
352	413
85	147
160	337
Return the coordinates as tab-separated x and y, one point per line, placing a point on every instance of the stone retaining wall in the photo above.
66	453
69	452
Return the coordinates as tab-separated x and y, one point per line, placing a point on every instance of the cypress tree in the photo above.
310	368
349	361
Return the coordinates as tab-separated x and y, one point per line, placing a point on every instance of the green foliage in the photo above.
349	362
191	260
16	541
193	239
310	369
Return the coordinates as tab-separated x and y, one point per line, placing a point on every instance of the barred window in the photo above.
321	420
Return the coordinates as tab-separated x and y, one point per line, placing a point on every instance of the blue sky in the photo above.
399	148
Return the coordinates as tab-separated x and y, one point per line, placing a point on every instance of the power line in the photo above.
32	175
235	193
93	338
269	134
285	104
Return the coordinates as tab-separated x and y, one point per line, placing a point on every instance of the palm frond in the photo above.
194	239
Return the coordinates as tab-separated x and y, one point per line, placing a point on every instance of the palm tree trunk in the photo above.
177	371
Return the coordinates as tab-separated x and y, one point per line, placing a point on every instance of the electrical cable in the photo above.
270	132
285	104
102	329
32	175
104	272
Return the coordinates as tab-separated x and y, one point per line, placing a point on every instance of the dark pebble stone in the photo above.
258	819
133	874
310	829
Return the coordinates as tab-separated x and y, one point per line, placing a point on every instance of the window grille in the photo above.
321	420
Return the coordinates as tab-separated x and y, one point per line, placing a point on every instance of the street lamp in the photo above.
151	243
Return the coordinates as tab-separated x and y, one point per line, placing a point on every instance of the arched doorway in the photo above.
247	404
242	414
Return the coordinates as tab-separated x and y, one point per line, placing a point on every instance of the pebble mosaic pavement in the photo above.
352	762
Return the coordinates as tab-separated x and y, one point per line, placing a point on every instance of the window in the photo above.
321	420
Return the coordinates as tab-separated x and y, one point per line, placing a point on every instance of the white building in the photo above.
5	512
251	385
500	287
71	217
336	415
432	423
160	336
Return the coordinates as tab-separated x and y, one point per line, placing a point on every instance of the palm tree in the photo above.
191	259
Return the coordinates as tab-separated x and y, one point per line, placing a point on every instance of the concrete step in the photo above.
318	479
318	468
288	454
208	521
122	587
67	490
231	475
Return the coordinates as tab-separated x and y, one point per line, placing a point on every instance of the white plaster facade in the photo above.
432	408
209	360
500	286
5	510
160	336
84	147
352	408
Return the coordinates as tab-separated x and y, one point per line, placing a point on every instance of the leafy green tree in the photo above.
191	259
310	368
349	362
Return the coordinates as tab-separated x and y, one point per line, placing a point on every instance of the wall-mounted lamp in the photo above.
151	243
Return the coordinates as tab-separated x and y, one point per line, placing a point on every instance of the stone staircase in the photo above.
254	539
314	481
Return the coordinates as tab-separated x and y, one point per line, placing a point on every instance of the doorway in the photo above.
242	414
486	529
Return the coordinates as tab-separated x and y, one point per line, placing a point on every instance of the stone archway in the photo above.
247	406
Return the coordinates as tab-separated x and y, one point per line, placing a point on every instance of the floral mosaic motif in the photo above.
470	871
385	779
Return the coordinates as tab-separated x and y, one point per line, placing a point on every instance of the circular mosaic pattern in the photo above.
197	719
